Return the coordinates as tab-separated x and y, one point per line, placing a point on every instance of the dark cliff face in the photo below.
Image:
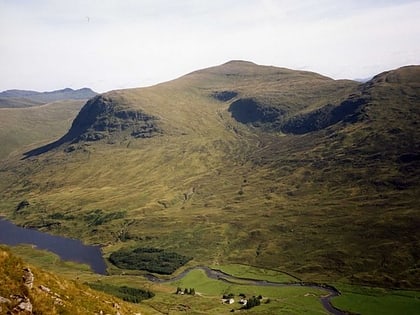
391	87
270	117
348	111
104	118
249	110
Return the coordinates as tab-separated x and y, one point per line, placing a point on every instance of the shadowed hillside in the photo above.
241	163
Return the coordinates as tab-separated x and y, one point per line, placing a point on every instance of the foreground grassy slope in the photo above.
23	127
58	295
338	202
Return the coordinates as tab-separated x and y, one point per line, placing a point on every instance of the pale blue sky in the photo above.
110	44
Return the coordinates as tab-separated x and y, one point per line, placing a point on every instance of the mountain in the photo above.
255	95
22	98
240	163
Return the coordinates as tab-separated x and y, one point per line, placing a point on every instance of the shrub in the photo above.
252	302
128	294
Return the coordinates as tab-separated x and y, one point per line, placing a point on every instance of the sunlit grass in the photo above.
365	300
295	299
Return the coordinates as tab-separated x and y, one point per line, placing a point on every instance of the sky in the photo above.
47	45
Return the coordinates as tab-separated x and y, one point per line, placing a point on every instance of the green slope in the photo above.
22	127
241	163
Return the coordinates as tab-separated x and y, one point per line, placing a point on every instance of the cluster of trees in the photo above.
129	294
190	291
252	302
149	259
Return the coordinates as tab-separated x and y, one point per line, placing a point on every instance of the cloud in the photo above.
107	44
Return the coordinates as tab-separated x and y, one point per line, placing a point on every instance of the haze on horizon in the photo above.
109	44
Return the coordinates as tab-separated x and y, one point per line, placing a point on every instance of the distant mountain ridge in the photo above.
24	98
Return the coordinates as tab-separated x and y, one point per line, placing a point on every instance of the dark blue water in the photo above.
66	248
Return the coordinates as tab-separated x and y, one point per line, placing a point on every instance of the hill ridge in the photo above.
25	93
236	73
25	98
249	110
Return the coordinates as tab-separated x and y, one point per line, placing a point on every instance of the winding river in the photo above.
222	276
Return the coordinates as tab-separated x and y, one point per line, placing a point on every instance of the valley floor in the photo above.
279	293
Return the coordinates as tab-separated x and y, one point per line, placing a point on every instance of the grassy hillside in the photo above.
22	127
11	102
241	164
52	294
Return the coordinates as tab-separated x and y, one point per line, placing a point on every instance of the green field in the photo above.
364	300
295	300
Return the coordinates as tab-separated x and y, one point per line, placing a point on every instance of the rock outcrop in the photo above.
28	278
104	117
24	306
